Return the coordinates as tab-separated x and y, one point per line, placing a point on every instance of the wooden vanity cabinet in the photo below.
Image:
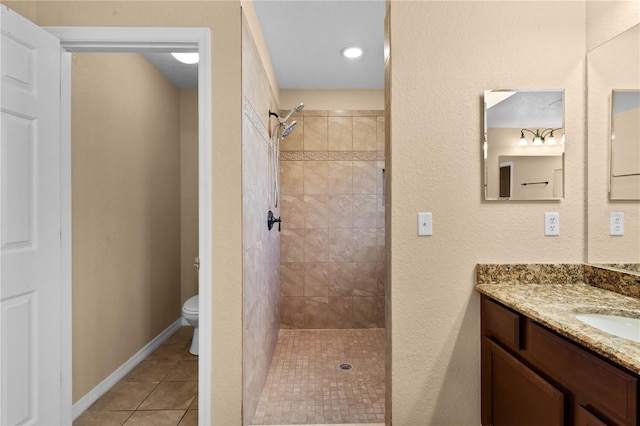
533	376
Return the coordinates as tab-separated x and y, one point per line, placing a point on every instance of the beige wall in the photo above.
188	192
126	211
354	99
607	19
436	165
224	20
333	220
612	65
261	246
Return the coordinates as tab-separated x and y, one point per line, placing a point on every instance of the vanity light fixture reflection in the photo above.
539	138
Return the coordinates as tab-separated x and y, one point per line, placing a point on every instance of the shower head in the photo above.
288	129
293	111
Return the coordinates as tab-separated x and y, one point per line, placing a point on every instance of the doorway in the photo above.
87	39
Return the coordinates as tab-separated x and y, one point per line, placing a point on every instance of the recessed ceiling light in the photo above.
351	52
187	58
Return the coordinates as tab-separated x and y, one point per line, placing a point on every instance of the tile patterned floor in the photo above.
305	384
161	390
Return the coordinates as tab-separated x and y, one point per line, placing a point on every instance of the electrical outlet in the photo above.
616	223
425	224
552	223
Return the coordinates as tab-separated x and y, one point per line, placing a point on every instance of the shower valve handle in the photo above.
271	219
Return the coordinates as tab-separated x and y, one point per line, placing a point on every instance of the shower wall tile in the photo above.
365	312
292	312
314	113
365	133
315	134
316	248
380	133
366	209
316	279
292	210
341	245
316	177
292	177
295	140
316	211
333	251
316	312
340	177
292	279
292	245
365	279
340	134
340	113
340	312
364	177
341	278
340	211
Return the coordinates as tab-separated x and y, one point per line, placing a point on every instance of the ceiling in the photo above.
304	38
525	108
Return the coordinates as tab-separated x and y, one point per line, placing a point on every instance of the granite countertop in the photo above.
554	306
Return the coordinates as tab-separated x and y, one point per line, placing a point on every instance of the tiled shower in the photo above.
332	205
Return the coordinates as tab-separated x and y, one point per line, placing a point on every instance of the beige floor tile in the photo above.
190	419
155	418
184	371
170	352
102	418
194	404
171	396
124	396
150	371
184	334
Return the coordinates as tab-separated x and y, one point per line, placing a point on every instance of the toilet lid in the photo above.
191	305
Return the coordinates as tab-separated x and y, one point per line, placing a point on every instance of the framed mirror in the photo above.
624	170
523	145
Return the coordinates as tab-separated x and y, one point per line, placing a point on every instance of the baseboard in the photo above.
92	396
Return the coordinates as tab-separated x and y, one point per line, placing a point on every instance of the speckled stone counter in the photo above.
554	306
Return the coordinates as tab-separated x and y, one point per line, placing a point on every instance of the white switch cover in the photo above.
616	224
425	224
552	223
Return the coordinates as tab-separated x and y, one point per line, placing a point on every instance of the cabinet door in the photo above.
585	418
513	395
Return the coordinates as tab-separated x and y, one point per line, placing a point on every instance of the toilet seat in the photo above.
191	305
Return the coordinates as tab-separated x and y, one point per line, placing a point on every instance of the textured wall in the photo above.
436	165
332	245
126	211
188	192
612	65
261	247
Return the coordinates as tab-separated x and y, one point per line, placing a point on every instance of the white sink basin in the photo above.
625	327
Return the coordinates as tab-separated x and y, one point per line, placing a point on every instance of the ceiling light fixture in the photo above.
187	57
539	138
351	52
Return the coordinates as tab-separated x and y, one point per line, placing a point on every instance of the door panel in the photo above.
30	233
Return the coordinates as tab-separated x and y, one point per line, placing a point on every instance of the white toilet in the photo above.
190	314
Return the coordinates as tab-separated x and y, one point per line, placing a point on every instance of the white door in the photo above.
30	223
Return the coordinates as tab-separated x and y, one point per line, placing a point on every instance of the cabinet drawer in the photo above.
608	389
501	323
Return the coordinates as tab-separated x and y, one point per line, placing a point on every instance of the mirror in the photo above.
523	144
625	145
633	268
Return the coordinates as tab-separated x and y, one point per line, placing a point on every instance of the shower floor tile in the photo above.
305	384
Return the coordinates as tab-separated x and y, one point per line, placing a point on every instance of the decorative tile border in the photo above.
534	273
625	283
254	118
331	155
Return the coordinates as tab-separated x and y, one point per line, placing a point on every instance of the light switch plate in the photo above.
552	223
425	224
616	223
